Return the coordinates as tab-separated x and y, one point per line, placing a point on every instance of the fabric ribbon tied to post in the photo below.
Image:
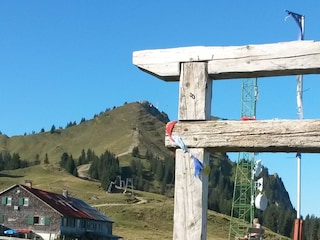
177	141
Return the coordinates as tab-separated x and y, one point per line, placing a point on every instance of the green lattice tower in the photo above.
242	212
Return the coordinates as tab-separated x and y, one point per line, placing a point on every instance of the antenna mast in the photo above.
242	210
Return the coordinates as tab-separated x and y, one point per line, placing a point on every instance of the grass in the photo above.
117	131
151	220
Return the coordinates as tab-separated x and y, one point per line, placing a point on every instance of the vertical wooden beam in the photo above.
191	197
195	92
191	193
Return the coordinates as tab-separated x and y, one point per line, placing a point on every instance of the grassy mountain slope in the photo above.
117	130
152	219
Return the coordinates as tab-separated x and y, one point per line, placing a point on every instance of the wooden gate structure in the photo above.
196	68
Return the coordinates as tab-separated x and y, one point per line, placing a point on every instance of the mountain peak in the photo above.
137	124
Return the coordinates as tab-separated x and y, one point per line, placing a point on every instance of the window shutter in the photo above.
47	221
21	201
30	220
1	218
4	200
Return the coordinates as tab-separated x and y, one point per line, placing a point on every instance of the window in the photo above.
64	222
6	201
71	222
38	220
24	202
83	223
89	225
9	201
78	223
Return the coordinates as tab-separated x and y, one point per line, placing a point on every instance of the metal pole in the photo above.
300	21
298	185
298	223
300	114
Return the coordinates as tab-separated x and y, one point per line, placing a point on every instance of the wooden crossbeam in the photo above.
230	62
250	136
195	68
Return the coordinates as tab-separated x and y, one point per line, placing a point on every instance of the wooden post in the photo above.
191	193
195	67
191	197
195	92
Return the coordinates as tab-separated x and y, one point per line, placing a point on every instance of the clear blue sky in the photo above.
66	60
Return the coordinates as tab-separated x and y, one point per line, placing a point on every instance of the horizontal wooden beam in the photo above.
250	61
250	136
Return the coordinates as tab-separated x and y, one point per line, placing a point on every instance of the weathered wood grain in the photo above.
249	61
195	92
191	193
195	68
191	197
250	136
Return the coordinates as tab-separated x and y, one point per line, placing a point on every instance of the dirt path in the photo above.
135	142
140	201
83	170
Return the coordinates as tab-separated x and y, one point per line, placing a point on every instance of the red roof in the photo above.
67	206
23	230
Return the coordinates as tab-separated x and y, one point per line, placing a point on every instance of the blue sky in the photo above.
66	60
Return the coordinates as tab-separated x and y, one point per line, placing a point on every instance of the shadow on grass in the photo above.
10	176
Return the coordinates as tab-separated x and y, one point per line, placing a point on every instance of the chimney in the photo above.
28	183
65	193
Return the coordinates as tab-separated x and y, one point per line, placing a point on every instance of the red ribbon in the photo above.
169	128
